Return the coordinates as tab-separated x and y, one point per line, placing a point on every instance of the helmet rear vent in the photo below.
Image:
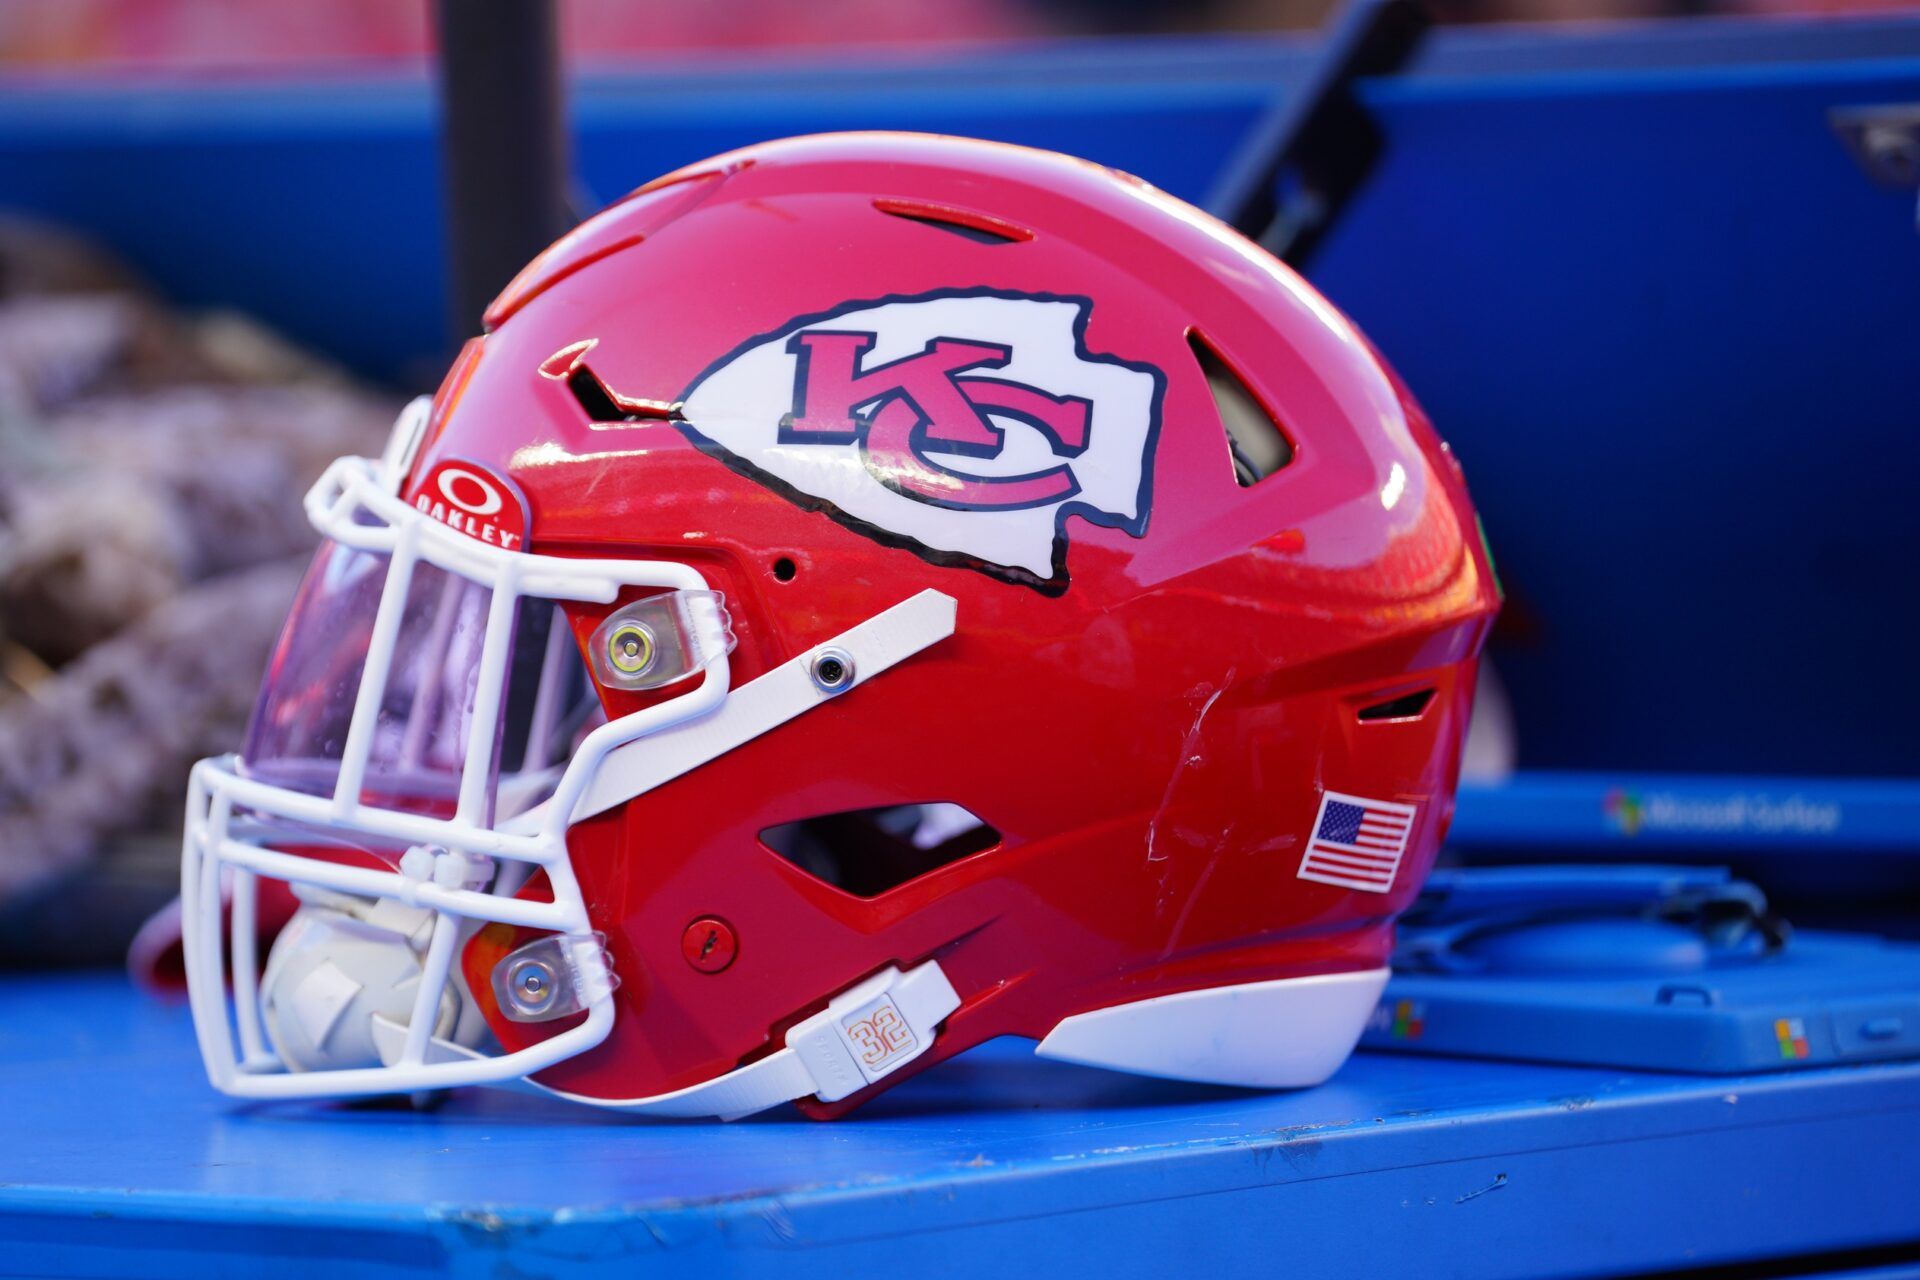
1255	440
977	227
867	852
1408	706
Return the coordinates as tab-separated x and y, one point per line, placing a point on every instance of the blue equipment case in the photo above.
1631	273
1831	998
1658	968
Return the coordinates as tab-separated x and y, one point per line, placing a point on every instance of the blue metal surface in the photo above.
1659	310
116	1159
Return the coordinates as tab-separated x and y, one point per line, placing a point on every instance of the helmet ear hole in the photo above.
784	569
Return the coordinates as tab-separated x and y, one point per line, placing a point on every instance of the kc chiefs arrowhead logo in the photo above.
967	425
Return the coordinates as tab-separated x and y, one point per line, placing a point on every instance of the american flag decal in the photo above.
1357	843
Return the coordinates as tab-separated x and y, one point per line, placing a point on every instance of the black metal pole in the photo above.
503	145
1318	135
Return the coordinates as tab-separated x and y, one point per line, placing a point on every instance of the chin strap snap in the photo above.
864	1034
872	1030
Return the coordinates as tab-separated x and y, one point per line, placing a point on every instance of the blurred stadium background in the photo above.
232	34
153	448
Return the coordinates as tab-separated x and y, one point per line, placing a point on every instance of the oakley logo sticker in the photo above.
966	425
471	499
468	490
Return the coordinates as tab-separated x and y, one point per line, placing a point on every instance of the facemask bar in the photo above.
450	862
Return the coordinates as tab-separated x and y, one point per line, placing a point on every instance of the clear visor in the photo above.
421	732
427	704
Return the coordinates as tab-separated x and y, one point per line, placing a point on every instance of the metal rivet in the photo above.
531	987
832	669
630	649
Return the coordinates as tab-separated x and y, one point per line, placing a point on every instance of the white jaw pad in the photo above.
1283	1034
758	706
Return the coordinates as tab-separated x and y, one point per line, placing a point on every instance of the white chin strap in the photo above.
864	1034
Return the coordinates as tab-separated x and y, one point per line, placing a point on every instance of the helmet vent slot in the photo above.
1408	706
977	227
867	852
602	405
1255	440
594	397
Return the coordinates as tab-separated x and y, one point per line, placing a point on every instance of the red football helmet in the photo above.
864	595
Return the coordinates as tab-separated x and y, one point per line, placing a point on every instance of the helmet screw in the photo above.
630	649
832	669
709	944
530	987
